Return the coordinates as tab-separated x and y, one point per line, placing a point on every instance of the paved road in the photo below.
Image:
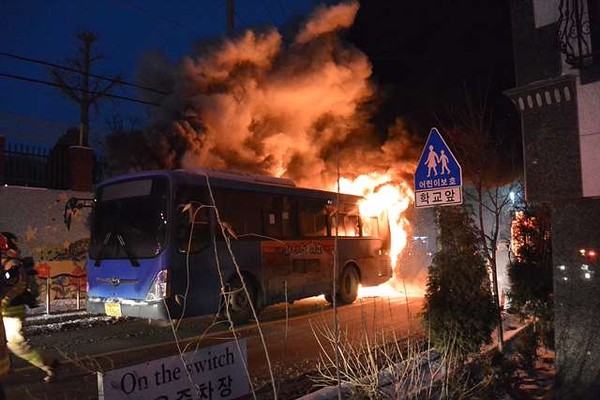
292	346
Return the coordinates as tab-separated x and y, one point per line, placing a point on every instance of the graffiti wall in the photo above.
36	217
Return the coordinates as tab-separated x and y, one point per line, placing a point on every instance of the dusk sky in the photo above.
420	53
126	29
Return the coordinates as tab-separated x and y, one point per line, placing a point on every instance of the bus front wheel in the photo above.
348	290
237	302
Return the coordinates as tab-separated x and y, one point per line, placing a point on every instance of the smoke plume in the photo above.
293	108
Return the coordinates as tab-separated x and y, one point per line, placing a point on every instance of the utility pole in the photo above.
76	84
84	111
230	15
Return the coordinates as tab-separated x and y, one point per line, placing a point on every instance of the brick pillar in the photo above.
2	150
81	168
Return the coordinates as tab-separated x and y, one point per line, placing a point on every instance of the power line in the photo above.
49	64
48	83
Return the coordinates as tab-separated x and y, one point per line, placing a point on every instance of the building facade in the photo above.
557	68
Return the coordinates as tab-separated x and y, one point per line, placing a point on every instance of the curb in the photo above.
44	319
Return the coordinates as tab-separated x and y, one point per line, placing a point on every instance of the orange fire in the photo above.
381	195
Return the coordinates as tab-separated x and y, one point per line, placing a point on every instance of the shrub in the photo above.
459	308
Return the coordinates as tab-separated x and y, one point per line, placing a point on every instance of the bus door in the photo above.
312	255
276	266
194	272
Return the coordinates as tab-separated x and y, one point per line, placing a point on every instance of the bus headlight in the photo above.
160	286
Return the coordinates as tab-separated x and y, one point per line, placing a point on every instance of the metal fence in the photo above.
26	165
54	289
29	165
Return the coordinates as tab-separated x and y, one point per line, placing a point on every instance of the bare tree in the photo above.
78	83
488	169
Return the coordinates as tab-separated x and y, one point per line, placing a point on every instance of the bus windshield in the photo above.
129	220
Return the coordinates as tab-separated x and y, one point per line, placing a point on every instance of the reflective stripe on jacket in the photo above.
4	354
18	311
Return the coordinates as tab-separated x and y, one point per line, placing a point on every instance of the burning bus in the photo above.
181	243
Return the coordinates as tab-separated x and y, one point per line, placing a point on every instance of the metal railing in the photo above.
37	166
28	165
49	279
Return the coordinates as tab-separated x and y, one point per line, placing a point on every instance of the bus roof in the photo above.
220	177
241	176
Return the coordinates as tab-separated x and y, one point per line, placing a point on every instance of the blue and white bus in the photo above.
177	244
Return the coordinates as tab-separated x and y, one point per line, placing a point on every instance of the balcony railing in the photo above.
574	33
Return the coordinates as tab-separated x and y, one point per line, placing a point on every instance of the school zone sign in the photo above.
438	177
216	372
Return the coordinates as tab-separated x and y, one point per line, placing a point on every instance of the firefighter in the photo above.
14	310
7	282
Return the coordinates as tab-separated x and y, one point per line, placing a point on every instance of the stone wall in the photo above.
558	103
35	216
577	297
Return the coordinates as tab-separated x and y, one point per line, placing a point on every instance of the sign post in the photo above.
438	178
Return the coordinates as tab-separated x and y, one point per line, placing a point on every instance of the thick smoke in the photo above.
325	20
258	103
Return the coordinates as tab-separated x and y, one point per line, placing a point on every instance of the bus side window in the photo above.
370	226
288	218
351	223
269	216
348	225
239	212
341	230
313	219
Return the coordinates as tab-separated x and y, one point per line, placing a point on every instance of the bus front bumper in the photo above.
127	308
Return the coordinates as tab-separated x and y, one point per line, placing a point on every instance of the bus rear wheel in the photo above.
237	302
348	290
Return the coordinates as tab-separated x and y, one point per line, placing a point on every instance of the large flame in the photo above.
383	197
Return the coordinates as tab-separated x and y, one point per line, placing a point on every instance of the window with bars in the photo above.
579	31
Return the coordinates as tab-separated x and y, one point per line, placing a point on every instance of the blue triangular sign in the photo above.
438	171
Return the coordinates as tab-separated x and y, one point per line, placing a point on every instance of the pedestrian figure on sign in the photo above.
432	161
444	161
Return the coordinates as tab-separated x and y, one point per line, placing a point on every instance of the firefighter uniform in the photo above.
4	355
7	286
14	311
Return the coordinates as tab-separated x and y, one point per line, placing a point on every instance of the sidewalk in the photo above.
537	383
40	323
37	318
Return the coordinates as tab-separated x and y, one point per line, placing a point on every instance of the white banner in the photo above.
212	373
